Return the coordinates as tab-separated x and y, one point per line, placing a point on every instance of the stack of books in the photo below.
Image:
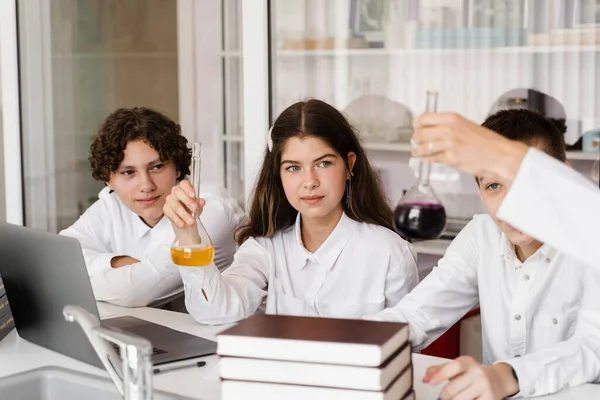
285	357
7	322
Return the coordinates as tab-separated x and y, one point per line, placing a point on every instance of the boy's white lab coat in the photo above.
541	316
108	229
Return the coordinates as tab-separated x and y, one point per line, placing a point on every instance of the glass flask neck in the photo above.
424	171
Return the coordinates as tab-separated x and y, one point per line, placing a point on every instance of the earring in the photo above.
349	194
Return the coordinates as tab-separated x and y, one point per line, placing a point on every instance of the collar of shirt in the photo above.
330	250
163	227
507	251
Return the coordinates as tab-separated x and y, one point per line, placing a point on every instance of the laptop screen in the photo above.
42	273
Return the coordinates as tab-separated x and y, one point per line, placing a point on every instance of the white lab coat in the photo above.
360	269
108	229
541	316
556	205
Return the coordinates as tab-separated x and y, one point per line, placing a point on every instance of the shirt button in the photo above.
526	277
517	317
554	321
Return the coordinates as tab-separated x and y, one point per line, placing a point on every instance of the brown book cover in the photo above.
310	339
2	290
316	374
401	388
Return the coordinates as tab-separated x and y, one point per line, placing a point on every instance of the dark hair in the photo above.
534	100
270	210
138	123
529	127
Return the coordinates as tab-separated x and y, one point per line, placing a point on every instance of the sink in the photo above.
55	383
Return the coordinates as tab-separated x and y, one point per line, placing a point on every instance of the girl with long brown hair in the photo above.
318	240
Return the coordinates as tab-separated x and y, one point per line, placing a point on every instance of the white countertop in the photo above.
17	355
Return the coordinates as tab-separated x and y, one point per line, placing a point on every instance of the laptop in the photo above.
43	272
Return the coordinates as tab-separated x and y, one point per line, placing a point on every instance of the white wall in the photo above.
9	94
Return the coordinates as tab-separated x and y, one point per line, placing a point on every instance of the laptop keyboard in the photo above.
155	350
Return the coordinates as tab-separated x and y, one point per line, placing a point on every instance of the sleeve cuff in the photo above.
100	263
417	336
519	187
158	254
200	278
526	384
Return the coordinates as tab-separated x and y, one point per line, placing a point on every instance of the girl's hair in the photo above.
270	210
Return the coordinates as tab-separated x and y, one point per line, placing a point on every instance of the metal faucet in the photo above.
133	378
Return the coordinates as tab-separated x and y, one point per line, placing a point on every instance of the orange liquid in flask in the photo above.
193	256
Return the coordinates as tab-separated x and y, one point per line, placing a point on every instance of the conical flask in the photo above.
419	214
192	246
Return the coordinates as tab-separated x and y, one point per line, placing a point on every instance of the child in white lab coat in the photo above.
540	312
319	239
451	139
140	154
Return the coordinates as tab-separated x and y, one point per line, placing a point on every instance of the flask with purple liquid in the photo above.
419	214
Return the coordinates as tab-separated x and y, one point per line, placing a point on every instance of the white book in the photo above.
400	389
312	374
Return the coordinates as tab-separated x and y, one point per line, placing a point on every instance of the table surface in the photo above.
18	355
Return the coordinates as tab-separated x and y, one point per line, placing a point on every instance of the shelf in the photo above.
233	138
114	55
432	247
407	147
401	147
439	51
231	53
393	146
580	155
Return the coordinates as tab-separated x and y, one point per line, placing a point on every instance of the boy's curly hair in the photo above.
138	123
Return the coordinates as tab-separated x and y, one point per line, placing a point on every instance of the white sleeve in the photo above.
402	276
212	297
556	205
220	217
90	230
136	285
444	296
570	363
154	278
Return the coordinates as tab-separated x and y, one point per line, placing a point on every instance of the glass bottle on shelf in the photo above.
192	246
